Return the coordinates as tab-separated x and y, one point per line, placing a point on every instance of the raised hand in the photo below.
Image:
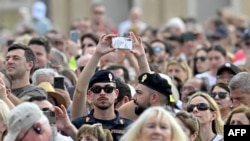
62	119
104	45
137	49
3	93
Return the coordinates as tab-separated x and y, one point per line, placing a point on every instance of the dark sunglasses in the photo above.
202	58
87	45
200	107
107	89
222	95
82	67
247	43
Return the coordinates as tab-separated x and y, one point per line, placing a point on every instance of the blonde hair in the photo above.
158	113
4	111
218	123
95	130
183	64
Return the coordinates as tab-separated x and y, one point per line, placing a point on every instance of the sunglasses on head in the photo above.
87	45
222	95
200	107
202	58
107	89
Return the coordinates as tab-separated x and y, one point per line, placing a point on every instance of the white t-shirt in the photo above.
211	79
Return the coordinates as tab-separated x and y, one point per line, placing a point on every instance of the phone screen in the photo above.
74	36
59	82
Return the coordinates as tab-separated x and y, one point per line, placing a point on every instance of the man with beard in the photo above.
101	92
152	90
19	63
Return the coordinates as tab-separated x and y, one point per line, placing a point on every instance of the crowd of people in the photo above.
182	81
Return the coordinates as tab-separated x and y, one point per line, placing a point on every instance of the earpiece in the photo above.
37	130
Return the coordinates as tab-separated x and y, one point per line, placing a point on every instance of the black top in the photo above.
116	126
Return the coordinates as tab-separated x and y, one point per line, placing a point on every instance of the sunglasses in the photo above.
200	107
87	45
247	43
107	89
202	58
82	67
157	49
222	95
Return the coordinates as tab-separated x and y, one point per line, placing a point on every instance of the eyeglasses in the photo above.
202	58
200	107
87	45
157	48
107	89
222	95
225	76
190	89
98	12
82	67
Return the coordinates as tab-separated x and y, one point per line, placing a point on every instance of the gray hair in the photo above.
240	81
43	71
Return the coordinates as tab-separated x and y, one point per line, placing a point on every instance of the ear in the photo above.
30	65
194	136
125	99
116	93
48	56
89	95
154	98
214	115
8	91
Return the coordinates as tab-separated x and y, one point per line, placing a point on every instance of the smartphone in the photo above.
74	35
51	116
59	82
122	42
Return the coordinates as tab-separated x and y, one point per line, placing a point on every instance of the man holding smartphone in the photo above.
102	92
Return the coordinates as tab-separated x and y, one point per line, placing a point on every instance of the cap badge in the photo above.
110	77
144	77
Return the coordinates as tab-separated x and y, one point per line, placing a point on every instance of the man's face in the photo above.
41	55
98	13
238	97
225	76
141	98
189	86
119	74
103	95
16	65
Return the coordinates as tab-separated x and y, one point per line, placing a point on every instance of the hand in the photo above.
138	49
104	45
65	94
3	93
62	118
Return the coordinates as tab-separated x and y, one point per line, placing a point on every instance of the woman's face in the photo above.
177	71
155	129
205	115
201	61
215	59
87	137
89	46
239	119
222	98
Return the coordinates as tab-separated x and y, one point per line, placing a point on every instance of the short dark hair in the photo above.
123	88
125	71
218	48
41	41
28	53
92	36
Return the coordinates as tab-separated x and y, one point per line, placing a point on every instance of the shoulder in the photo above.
80	121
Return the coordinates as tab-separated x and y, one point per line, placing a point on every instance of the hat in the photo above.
59	98
228	66
102	76
22	116
157	83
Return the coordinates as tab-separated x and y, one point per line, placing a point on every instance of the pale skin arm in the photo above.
63	122
79	107
13	98
4	96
